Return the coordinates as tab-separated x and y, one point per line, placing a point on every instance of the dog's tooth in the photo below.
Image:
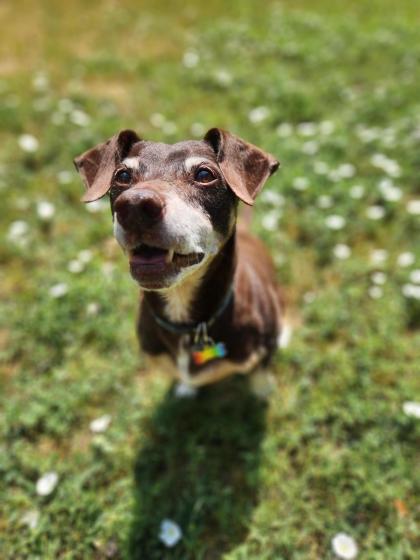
169	256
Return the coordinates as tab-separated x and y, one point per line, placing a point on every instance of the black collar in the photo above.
187	328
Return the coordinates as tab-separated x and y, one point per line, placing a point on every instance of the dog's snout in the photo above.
139	208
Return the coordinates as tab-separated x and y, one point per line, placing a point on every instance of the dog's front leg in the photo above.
224	368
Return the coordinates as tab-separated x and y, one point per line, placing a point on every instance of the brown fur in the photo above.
250	324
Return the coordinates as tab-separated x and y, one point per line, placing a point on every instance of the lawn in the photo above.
330	88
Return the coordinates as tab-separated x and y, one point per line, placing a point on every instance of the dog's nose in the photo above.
136	208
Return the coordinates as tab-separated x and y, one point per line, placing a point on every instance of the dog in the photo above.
210	305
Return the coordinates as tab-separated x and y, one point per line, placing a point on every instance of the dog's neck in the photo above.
199	297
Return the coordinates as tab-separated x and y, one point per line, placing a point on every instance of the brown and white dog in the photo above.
211	306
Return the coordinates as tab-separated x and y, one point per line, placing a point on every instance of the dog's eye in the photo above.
204	175
123	176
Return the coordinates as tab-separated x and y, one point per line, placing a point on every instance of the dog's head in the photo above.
173	206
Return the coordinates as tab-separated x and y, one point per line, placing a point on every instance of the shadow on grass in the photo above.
199	467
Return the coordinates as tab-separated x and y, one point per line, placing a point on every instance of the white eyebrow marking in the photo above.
132	162
192	161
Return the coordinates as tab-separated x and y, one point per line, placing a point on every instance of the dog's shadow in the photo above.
199	467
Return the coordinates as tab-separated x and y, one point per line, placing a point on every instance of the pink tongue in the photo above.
148	255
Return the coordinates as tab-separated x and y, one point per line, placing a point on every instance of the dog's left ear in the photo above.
97	165
244	166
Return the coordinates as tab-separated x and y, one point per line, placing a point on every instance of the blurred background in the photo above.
95	454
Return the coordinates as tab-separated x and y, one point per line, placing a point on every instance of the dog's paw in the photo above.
262	384
185	391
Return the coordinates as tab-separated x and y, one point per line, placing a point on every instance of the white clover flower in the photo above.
28	143
58	290
97	206
45	210
40	81
258	114
284	130
198	129
30	519
334	176
411	291
406	259
85	256
390	166
321	168
326	127
80	118
357	191
270	220
17	231
108	269
57	118
378	256
170	533
65	105
183	390
310	148
22	203
349	94
279	259
415	135
190	59
92	308
389	191
375	212
272	197
378	278
413	207
300	183
325	201
309	297
223	77
342	251
47	483
157	120
169	127
385	183
64	177
346	170
335	222
344	546
392	194
389	140
375	292
101	424
378	160
366	134
307	129
75	266
411	408
41	104
415	276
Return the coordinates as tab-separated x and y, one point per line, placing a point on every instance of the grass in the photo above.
332	450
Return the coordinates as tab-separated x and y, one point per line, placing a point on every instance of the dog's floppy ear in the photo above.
244	166
97	165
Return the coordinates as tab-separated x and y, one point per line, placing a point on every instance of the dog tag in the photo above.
204	349
203	353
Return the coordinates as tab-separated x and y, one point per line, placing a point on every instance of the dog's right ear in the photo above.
97	165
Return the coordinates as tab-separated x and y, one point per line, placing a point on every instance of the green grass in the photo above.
332	450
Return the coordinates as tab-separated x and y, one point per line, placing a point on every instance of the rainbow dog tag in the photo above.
204	348
208	352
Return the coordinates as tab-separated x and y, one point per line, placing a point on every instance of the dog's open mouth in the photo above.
146	260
